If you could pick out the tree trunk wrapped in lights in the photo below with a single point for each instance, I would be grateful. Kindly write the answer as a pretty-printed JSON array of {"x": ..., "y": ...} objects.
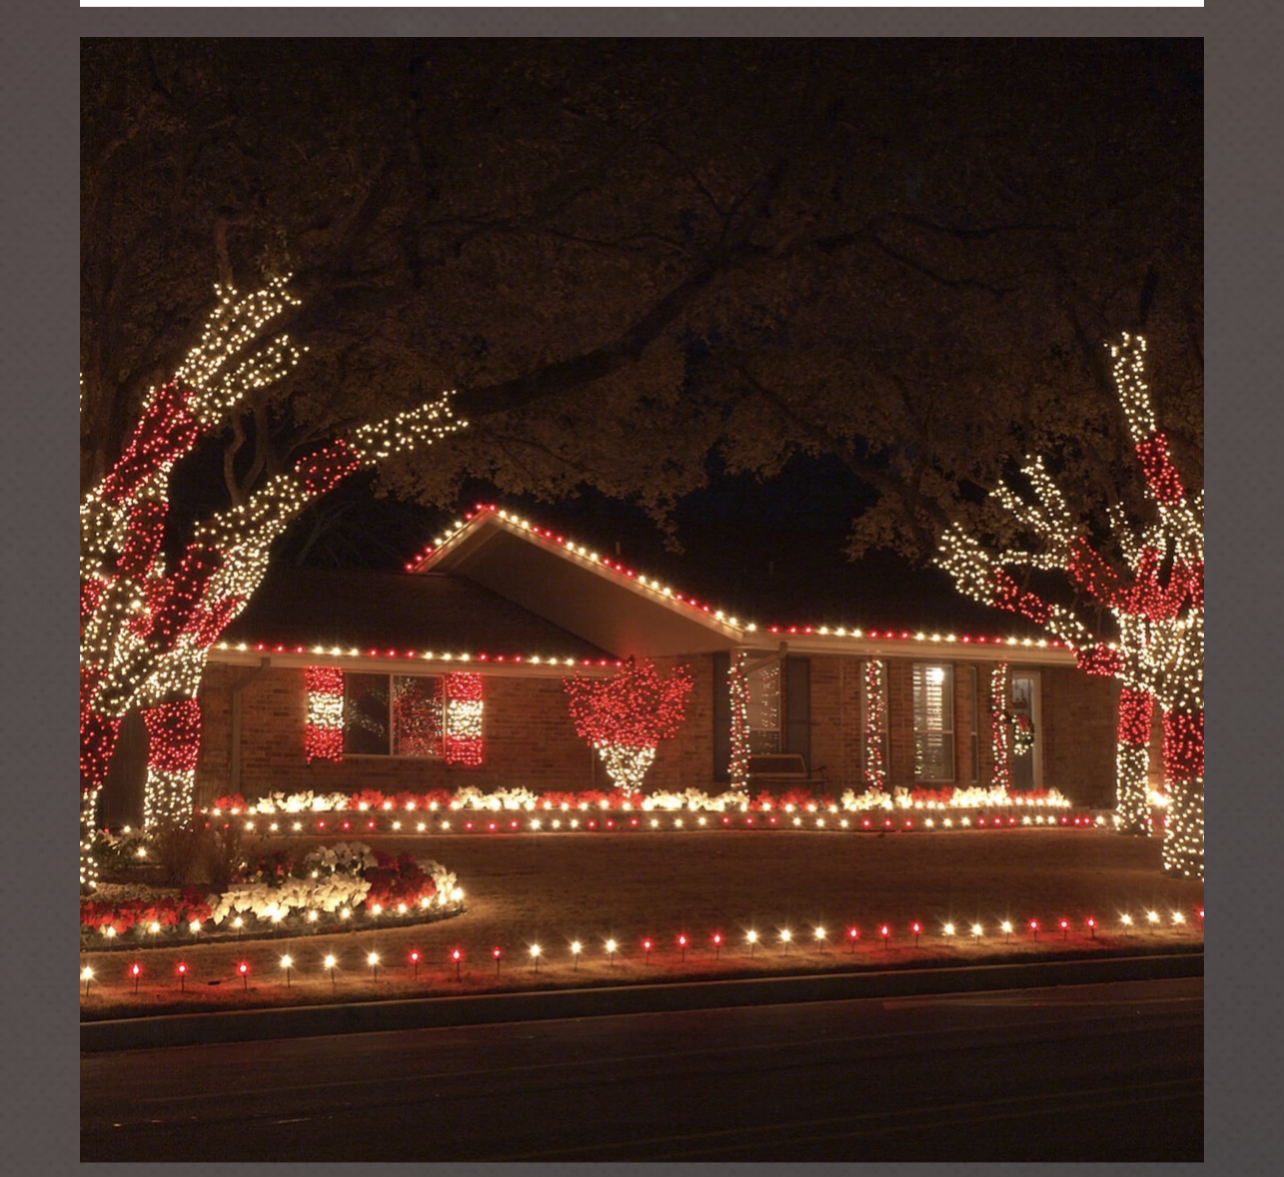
[
  {"x": 626, "y": 716},
  {"x": 1156, "y": 606},
  {"x": 145, "y": 630}
]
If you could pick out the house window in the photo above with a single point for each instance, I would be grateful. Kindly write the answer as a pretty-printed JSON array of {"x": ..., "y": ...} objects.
[
  {"x": 393, "y": 715},
  {"x": 933, "y": 722},
  {"x": 763, "y": 709}
]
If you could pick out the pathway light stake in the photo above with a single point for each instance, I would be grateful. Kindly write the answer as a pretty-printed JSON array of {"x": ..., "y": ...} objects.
[
  {"x": 646, "y": 948},
  {"x": 1126, "y": 920},
  {"x": 1178, "y": 918},
  {"x": 976, "y": 932},
  {"x": 917, "y": 929},
  {"x": 1034, "y": 929},
  {"x": 576, "y": 946},
  {"x": 820, "y": 938},
  {"x": 1092, "y": 927},
  {"x": 1152, "y": 918},
  {"x": 287, "y": 963},
  {"x": 330, "y": 962},
  {"x": 181, "y": 970},
  {"x": 136, "y": 971},
  {"x": 752, "y": 937},
  {"x": 414, "y": 960},
  {"x": 244, "y": 969},
  {"x": 535, "y": 956},
  {"x": 1065, "y": 929},
  {"x": 87, "y": 975},
  {"x": 238, "y": 924},
  {"x": 853, "y": 934},
  {"x": 785, "y": 937},
  {"x": 947, "y": 930},
  {"x": 886, "y": 933},
  {"x": 610, "y": 952},
  {"x": 717, "y": 945},
  {"x": 373, "y": 961},
  {"x": 682, "y": 943},
  {"x": 497, "y": 954},
  {"x": 457, "y": 956},
  {"x": 1007, "y": 931}
]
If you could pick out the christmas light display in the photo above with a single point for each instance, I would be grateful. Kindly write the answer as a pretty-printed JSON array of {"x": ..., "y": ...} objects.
[
  {"x": 875, "y": 724},
  {"x": 462, "y": 694},
  {"x": 173, "y": 743},
  {"x": 146, "y": 630},
  {"x": 1000, "y": 729},
  {"x": 729, "y": 625},
  {"x": 323, "y": 737},
  {"x": 1155, "y": 601},
  {"x": 625, "y": 717},
  {"x": 738, "y": 687}
]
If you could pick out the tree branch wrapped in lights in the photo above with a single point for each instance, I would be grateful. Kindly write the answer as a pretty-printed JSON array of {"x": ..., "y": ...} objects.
[
  {"x": 145, "y": 631},
  {"x": 1157, "y": 609}
]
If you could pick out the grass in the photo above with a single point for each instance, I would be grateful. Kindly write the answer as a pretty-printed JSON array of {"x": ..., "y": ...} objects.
[{"x": 551, "y": 889}]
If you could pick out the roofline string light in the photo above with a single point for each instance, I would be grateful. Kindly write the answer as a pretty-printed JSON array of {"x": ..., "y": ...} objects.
[
  {"x": 1156, "y": 604},
  {"x": 709, "y": 615}
]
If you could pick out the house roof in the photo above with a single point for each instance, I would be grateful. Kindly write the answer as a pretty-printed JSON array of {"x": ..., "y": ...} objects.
[
  {"x": 617, "y": 608},
  {"x": 356, "y": 612}
]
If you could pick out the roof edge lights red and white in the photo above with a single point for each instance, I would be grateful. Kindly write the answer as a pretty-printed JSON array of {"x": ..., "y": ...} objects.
[{"x": 802, "y": 638}]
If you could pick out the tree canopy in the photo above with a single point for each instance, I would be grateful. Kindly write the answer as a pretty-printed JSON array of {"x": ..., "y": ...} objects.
[{"x": 629, "y": 256}]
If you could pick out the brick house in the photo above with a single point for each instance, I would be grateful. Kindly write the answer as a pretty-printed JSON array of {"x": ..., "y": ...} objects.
[{"x": 485, "y": 626}]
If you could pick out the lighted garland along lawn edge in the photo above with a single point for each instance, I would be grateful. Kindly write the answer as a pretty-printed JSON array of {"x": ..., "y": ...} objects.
[{"x": 555, "y": 890}]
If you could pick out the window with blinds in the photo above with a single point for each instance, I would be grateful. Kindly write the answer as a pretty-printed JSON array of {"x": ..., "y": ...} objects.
[{"x": 933, "y": 722}]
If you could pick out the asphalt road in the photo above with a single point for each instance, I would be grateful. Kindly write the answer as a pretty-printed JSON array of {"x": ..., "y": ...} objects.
[{"x": 1074, "y": 1073}]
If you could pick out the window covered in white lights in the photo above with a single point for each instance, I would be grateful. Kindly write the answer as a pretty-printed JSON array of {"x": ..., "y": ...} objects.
[
  {"x": 763, "y": 709},
  {"x": 933, "y": 722}
]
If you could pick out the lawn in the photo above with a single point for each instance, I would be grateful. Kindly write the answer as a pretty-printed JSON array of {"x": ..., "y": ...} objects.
[{"x": 552, "y": 889}]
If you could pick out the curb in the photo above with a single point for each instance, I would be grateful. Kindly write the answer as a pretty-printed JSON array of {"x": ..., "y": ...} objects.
[{"x": 481, "y": 1009}]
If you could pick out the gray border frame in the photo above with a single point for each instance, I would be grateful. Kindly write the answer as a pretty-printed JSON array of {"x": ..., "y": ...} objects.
[{"x": 41, "y": 76}]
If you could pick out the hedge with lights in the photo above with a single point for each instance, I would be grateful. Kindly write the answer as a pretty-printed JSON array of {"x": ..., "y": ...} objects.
[
  {"x": 470, "y": 799},
  {"x": 626, "y": 716},
  {"x": 145, "y": 630},
  {"x": 1155, "y": 601}
]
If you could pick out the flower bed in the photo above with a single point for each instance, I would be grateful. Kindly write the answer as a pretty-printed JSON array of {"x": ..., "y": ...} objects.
[{"x": 331, "y": 888}]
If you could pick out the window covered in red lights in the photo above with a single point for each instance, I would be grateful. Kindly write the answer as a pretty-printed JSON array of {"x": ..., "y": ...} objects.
[
  {"x": 414, "y": 716},
  {"x": 933, "y": 722},
  {"x": 392, "y": 715}
]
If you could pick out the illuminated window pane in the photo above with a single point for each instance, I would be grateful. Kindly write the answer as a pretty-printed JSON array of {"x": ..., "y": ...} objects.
[
  {"x": 416, "y": 716},
  {"x": 763, "y": 709},
  {"x": 933, "y": 722}
]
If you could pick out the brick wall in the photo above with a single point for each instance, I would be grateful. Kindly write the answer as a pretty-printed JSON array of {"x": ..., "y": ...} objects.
[
  {"x": 530, "y": 741},
  {"x": 836, "y": 724},
  {"x": 1080, "y": 718}
]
